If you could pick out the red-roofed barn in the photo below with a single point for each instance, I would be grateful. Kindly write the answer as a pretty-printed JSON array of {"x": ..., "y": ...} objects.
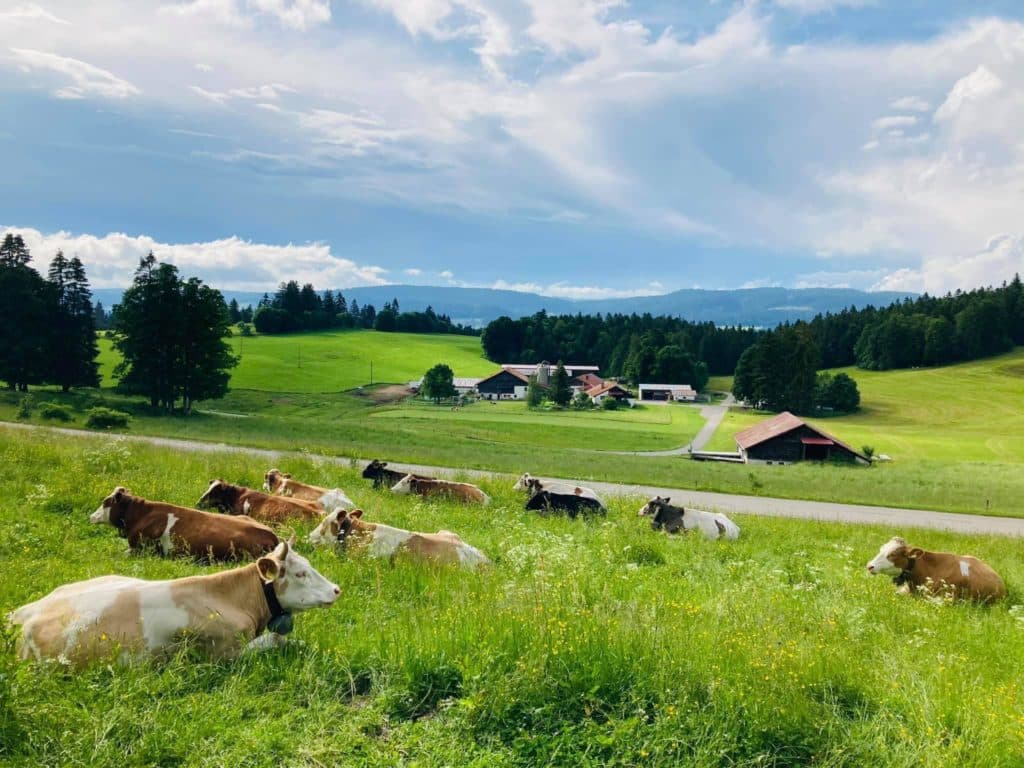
[{"x": 787, "y": 438}]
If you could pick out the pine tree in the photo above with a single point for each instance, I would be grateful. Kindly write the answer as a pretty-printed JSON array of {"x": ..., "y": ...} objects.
[
  {"x": 72, "y": 360},
  {"x": 561, "y": 392},
  {"x": 14, "y": 252},
  {"x": 24, "y": 303},
  {"x": 234, "y": 311}
]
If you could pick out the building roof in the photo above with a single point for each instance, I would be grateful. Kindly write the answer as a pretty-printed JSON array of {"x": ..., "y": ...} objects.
[
  {"x": 529, "y": 368},
  {"x": 590, "y": 380},
  {"x": 510, "y": 371},
  {"x": 780, "y": 425},
  {"x": 608, "y": 387},
  {"x": 673, "y": 387},
  {"x": 466, "y": 383}
]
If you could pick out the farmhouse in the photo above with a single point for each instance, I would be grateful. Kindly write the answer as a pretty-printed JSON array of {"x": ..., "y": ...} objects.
[
  {"x": 609, "y": 389},
  {"x": 511, "y": 381},
  {"x": 787, "y": 438},
  {"x": 506, "y": 384},
  {"x": 683, "y": 393}
]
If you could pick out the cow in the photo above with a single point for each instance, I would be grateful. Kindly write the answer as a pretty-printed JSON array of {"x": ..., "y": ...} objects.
[
  {"x": 382, "y": 476},
  {"x": 941, "y": 574},
  {"x": 178, "y": 530},
  {"x": 282, "y": 484},
  {"x": 440, "y": 488},
  {"x": 530, "y": 483},
  {"x": 239, "y": 500},
  {"x": 664, "y": 516},
  {"x": 560, "y": 497},
  {"x": 343, "y": 528},
  {"x": 223, "y": 613}
]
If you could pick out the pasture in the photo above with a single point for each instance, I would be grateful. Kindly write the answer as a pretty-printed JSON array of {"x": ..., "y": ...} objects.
[
  {"x": 334, "y": 361},
  {"x": 590, "y": 644}
]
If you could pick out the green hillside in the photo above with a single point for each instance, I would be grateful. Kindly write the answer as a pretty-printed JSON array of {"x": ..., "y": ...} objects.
[
  {"x": 333, "y": 361},
  {"x": 960, "y": 413}
]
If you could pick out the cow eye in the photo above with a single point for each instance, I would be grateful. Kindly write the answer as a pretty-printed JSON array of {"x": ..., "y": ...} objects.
[{"x": 300, "y": 575}]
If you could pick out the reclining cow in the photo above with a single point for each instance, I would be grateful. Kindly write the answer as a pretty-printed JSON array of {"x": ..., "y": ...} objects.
[
  {"x": 445, "y": 489},
  {"x": 281, "y": 483},
  {"x": 239, "y": 500},
  {"x": 915, "y": 570},
  {"x": 348, "y": 528},
  {"x": 572, "y": 500},
  {"x": 382, "y": 476},
  {"x": 664, "y": 516},
  {"x": 528, "y": 483},
  {"x": 178, "y": 530},
  {"x": 248, "y": 608}
]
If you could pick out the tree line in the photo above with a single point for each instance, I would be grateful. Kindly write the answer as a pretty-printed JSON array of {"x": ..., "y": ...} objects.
[
  {"x": 293, "y": 308},
  {"x": 49, "y": 325},
  {"x": 928, "y": 330},
  {"x": 636, "y": 347}
]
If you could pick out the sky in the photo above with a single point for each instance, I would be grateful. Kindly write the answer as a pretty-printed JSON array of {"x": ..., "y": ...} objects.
[{"x": 575, "y": 148}]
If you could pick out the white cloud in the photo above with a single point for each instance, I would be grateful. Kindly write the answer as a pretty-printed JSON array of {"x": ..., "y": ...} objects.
[
  {"x": 270, "y": 91},
  {"x": 413, "y": 272},
  {"x": 854, "y": 278},
  {"x": 86, "y": 79},
  {"x": 229, "y": 263},
  {"x": 894, "y": 121},
  {"x": 447, "y": 275},
  {"x": 204, "y": 67},
  {"x": 910, "y": 104},
  {"x": 975, "y": 87},
  {"x": 563, "y": 290},
  {"x": 819, "y": 6},
  {"x": 761, "y": 282},
  {"x": 294, "y": 14},
  {"x": 30, "y": 12}
]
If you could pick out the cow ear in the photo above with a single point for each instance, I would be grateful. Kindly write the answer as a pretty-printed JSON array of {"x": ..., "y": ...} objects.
[
  {"x": 383, "y": 463},
  {"x": 357, "y": 513},
  {"x": 915, "y": 553},
  {"x": 119, "y": 494},
  {"x": 286, "y": 475},
  {"x": 268, "y": 569}
]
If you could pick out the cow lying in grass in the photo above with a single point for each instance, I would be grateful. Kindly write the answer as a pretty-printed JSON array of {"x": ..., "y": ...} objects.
[
  {"x": 281, "y": 483},
  {"x": 239, "y": 500},
  {"x": 178, "y": 530},
  {"x": 349, "y": 528},
  {"x": 127, "y": 618},
  {"x": 670, "y": 519},
  {"x": 548, "y": 497},
  {"x": 943, "y": 574},
  {"x": 445, "y": 489},
  {"x": 383, "y": 477}
]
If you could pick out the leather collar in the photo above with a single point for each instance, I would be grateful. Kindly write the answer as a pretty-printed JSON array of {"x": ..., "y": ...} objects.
[
  {"x": 904, "y": 576},
  {"x": 280, "y": 620}
]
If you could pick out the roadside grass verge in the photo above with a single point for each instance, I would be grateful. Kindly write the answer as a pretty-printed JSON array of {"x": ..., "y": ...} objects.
[{"x": 588, "y": 644}]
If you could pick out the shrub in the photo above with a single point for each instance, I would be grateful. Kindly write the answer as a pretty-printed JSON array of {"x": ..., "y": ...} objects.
[
  {"x": 610, "y": 404},
  {"x": 868, "y": 450},
  {"x": 55, "y": 412},
  {"x": 582, "y": 402},
  {"x": 25, "y": 407},
  {"x": 106, "y": 418}
]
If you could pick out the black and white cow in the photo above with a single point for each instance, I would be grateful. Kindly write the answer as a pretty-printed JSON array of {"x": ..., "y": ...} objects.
[{"x": 670, "y": 519}]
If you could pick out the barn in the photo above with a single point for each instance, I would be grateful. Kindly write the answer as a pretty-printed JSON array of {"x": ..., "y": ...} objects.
[
  {"x": 683, "y": 393},
  {"x": 506, "y": 384},
  {"x": 786, "y": 438}
]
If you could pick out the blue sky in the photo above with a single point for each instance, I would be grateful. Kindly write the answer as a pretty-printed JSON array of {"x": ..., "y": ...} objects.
[{"x": 571, "y": 147}]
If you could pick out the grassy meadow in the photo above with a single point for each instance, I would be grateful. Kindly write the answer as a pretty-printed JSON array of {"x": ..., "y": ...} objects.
[
  {"x": 334, "y": 361},
  {"x": 585, "y": 644}
]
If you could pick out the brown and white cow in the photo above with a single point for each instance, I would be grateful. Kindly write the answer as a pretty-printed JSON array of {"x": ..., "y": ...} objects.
[
  {"x": 283, "y": 484},
  {"x": 182, "y": 531},
  {"x": 378, "y": 471},
  {"x": 345, "y": 528},
  {"x": 916, "y": 570},
  {"x": 441, "y": 488},
  {"x": 239, "y": 500},
  {"x": 127, "y": 618}
]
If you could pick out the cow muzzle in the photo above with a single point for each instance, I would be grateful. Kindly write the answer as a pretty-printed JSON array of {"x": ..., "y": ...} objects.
[{"x": 101, "y": 515}]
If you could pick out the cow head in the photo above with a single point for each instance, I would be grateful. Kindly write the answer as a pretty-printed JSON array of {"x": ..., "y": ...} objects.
[
  {"x": 894, "y": 557},
  {"x": 296, "y": 583},
  {"x": 273, "y": 479},
  {"x": 406, "y": 485},
  {"x": 113, "y": 503},
  {"x": 373, "y": 469},
  {"x": 651, "y": 507},
  {"x": 217, "y": 496},
  {"x": 337, "y": 527},
  {"x": 523, "y": 482}
]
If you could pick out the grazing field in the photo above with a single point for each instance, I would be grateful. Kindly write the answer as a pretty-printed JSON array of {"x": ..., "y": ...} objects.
[
  {"x": 334, "y": 361},
  {"x": 586, "y": 644}
]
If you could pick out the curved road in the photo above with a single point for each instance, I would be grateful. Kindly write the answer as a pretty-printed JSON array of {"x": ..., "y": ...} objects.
[{"x": 723, "y": 502}]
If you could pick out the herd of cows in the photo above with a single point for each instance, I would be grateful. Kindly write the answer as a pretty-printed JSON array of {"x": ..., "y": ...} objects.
[{"x": 251, "y": 607}]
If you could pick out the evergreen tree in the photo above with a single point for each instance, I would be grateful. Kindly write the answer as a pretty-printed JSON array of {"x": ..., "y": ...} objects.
[
  {"x": 234, "y": 311},
  {"x": 561, "y": 391},
  {"x": 72, "y": 327},
  {"x": 204, "y": 355},
  {"x": 25, "y": 302},
  {"x": 341, "y": 305},
  {"x": 330, "y": 308},
  {"x": 14, "y": 252}
]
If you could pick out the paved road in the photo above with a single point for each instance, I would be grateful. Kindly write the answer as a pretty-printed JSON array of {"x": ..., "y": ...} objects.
[
  {"x": 895, "y": 518},
  {"x": 712, "y": 415}
]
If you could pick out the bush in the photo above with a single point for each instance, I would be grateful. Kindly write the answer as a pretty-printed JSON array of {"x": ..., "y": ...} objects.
[
  {"x": 610, "y": 404},
  {"x": 25, "y": 407},
  {"x": 582, "y": 402},
  {"x": 868, "y": 450},
  {"x": 55, "y": 412},
  {"x": 106, "y": 418}
]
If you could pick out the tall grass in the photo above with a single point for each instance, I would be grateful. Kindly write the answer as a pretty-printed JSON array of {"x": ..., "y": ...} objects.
[{"x": 589, "y": 644}]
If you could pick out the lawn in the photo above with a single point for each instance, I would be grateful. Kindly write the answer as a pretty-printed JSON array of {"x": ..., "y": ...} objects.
[
  {"x": 600, "y": 644},
  {"x": 334, "y": 361}
]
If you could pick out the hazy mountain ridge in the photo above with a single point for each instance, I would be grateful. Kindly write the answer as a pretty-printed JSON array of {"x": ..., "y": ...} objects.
[{"x": 478, "y": 306}]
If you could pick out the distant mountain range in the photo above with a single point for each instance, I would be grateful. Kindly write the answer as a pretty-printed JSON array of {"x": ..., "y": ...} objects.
[{"x": 762, "y": 307}]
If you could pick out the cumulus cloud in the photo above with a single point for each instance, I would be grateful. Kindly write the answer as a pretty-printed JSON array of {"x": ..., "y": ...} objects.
[
  {"x": 820, "y": 6},
  {"x": 910, "y": 104},
  {"x": 86, "y": 79},
  {"x": 30, "y": 12},
  {"x": 229, "y": 263},
  {"x": 413, "y": 272}
]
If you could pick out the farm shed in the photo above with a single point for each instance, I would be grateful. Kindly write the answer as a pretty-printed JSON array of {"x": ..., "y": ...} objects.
[
  {"x": 609, "y": 389},
  {"x": 787, "y": 438},
  {"x": 683, "y": 393},
  {"x": 505, "y": 384}
]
